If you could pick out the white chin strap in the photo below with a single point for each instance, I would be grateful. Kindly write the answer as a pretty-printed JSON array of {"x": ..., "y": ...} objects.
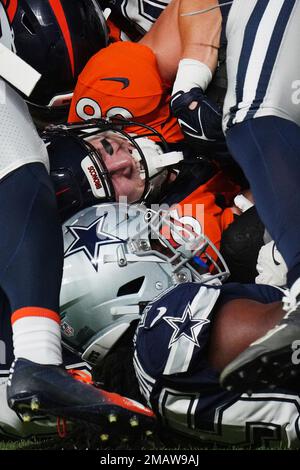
[
  {"x": 163, "y": 161},
  {"x": 155, "y": 158}
]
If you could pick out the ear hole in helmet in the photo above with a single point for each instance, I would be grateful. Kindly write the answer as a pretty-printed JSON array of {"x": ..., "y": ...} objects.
[
  {"x": 132, "y": 287},
  {"x": 28, "y": 25}
]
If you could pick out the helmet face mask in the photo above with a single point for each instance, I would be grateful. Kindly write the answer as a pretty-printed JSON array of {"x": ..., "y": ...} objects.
[
  {"x": 78, "y": 148},
  {"x": 179, "y": 245},
  {"x": 117, "y": 260}
]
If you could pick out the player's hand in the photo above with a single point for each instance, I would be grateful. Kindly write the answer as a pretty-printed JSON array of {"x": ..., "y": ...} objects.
[{"x": 199, "y": 117}]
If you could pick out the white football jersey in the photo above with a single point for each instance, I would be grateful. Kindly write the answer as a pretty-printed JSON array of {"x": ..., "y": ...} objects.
[
  {"x": 142, "y": 13},
  {"x": 19, "y": 141}
]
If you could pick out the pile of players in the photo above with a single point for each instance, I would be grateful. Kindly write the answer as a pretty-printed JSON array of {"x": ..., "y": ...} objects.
[{"x": 160, "y": 128}]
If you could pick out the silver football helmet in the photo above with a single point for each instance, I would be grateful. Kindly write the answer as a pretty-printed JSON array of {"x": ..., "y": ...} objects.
[{"x": 119, "y": 257}]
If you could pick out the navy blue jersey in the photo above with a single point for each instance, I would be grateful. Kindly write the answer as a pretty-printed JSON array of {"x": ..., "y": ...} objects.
[
  {"x": 178, "y": 383},
  {"x": 141, "y": 14}
]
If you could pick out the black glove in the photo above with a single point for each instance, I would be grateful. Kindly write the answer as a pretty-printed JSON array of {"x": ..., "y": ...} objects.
[{"x": 202, "y": 125}]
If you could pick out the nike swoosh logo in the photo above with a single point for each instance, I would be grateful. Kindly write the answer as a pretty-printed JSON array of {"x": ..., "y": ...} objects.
[
  {"x": 122, "y": 80},
  {"x": 161, "y": 312},
  {"x": 273, "y": 255}
]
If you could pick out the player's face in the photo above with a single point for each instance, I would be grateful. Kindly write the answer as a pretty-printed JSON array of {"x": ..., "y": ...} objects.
[{"x": 125, "y": 171}]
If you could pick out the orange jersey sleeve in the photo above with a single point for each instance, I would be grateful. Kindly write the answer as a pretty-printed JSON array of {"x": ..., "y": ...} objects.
[{"x": 123, "y": 79}]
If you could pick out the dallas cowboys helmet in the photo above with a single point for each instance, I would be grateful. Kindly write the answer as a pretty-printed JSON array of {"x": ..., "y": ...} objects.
[
  {"x": 78, "y": 169},
  {"x": 118, "y": 258}
]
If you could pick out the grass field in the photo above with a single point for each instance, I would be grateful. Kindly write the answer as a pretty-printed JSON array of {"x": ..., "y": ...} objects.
[{"x": 68, "y": 444}]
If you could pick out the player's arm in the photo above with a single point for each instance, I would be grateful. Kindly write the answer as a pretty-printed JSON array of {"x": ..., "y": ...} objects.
[
  {"x": 200, "y": 34},
  {"x": 200, "y": 38}
]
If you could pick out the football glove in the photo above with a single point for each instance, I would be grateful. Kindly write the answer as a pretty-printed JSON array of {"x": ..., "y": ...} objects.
[{"x": 200, "y": 125}]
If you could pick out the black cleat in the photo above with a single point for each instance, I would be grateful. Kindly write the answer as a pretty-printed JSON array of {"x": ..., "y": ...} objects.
[
  {"x": 34, "y": 389},
  {"x": 272, "y": 360}
]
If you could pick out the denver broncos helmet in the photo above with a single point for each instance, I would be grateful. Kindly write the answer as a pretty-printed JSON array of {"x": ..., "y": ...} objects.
[
  {"x": 57, "y": 38},
  {"x": 79, "y": 171}
]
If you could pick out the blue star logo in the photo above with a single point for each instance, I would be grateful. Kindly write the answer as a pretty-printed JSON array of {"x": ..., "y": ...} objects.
[
  {"x": 186, "y": 326},
  {"x": 90, "y": 239}
]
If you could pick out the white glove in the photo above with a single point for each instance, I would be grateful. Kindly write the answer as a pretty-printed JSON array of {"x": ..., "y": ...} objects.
[
  {"x": 243, "y": 203},
  {"x": 271, "y": 266}
]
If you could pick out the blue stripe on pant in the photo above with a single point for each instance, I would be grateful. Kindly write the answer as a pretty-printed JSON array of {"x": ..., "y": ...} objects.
[
  {"x": 271, "y": 56},
  {"x": 248, "y": 42}
]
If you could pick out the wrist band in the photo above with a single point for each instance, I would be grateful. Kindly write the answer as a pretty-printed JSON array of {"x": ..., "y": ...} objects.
[{"x": 191, "y": 73}]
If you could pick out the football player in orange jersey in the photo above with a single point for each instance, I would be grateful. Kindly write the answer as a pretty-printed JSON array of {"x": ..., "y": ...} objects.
[
  {"x": 98, "y": 161},
  {"x": 133, "y": 80}
]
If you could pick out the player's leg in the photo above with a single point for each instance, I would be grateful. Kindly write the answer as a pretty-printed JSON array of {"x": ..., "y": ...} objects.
[
  {"x": 31, "y": 261},
  {"x": 237, "y": 324},
  {"x": 31, "y": 256},
  {"x": 264, "y": 137},
  {"x": 268, "y": 150}
]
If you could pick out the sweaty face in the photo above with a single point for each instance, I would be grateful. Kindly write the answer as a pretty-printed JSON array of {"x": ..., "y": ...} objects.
[{"x": 123, "y": 164}]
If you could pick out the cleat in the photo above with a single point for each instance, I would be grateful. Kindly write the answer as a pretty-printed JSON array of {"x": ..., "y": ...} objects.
[
  {"x": 241, "y": 374},
  {"x": 124, "y": 440},
  {"x": 273, "y": 351},
  {"x": 112, "y": 418},
  {"x": 134, "y": 422},
  {"x": 229, "y": 388},
  {"x": 54, "y": 392},
  {"x": 149, "y": 433},
  {"x": 34, "y": 404},
  {"x": 104, "y": 437},
  {"x": 249, "y": 392},
  {"x": 26, "y": 418}
]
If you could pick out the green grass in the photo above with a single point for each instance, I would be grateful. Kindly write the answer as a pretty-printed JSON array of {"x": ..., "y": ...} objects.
[
  {"x": 58, "y": 444},
  {"x": 25, "y": 445}
]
